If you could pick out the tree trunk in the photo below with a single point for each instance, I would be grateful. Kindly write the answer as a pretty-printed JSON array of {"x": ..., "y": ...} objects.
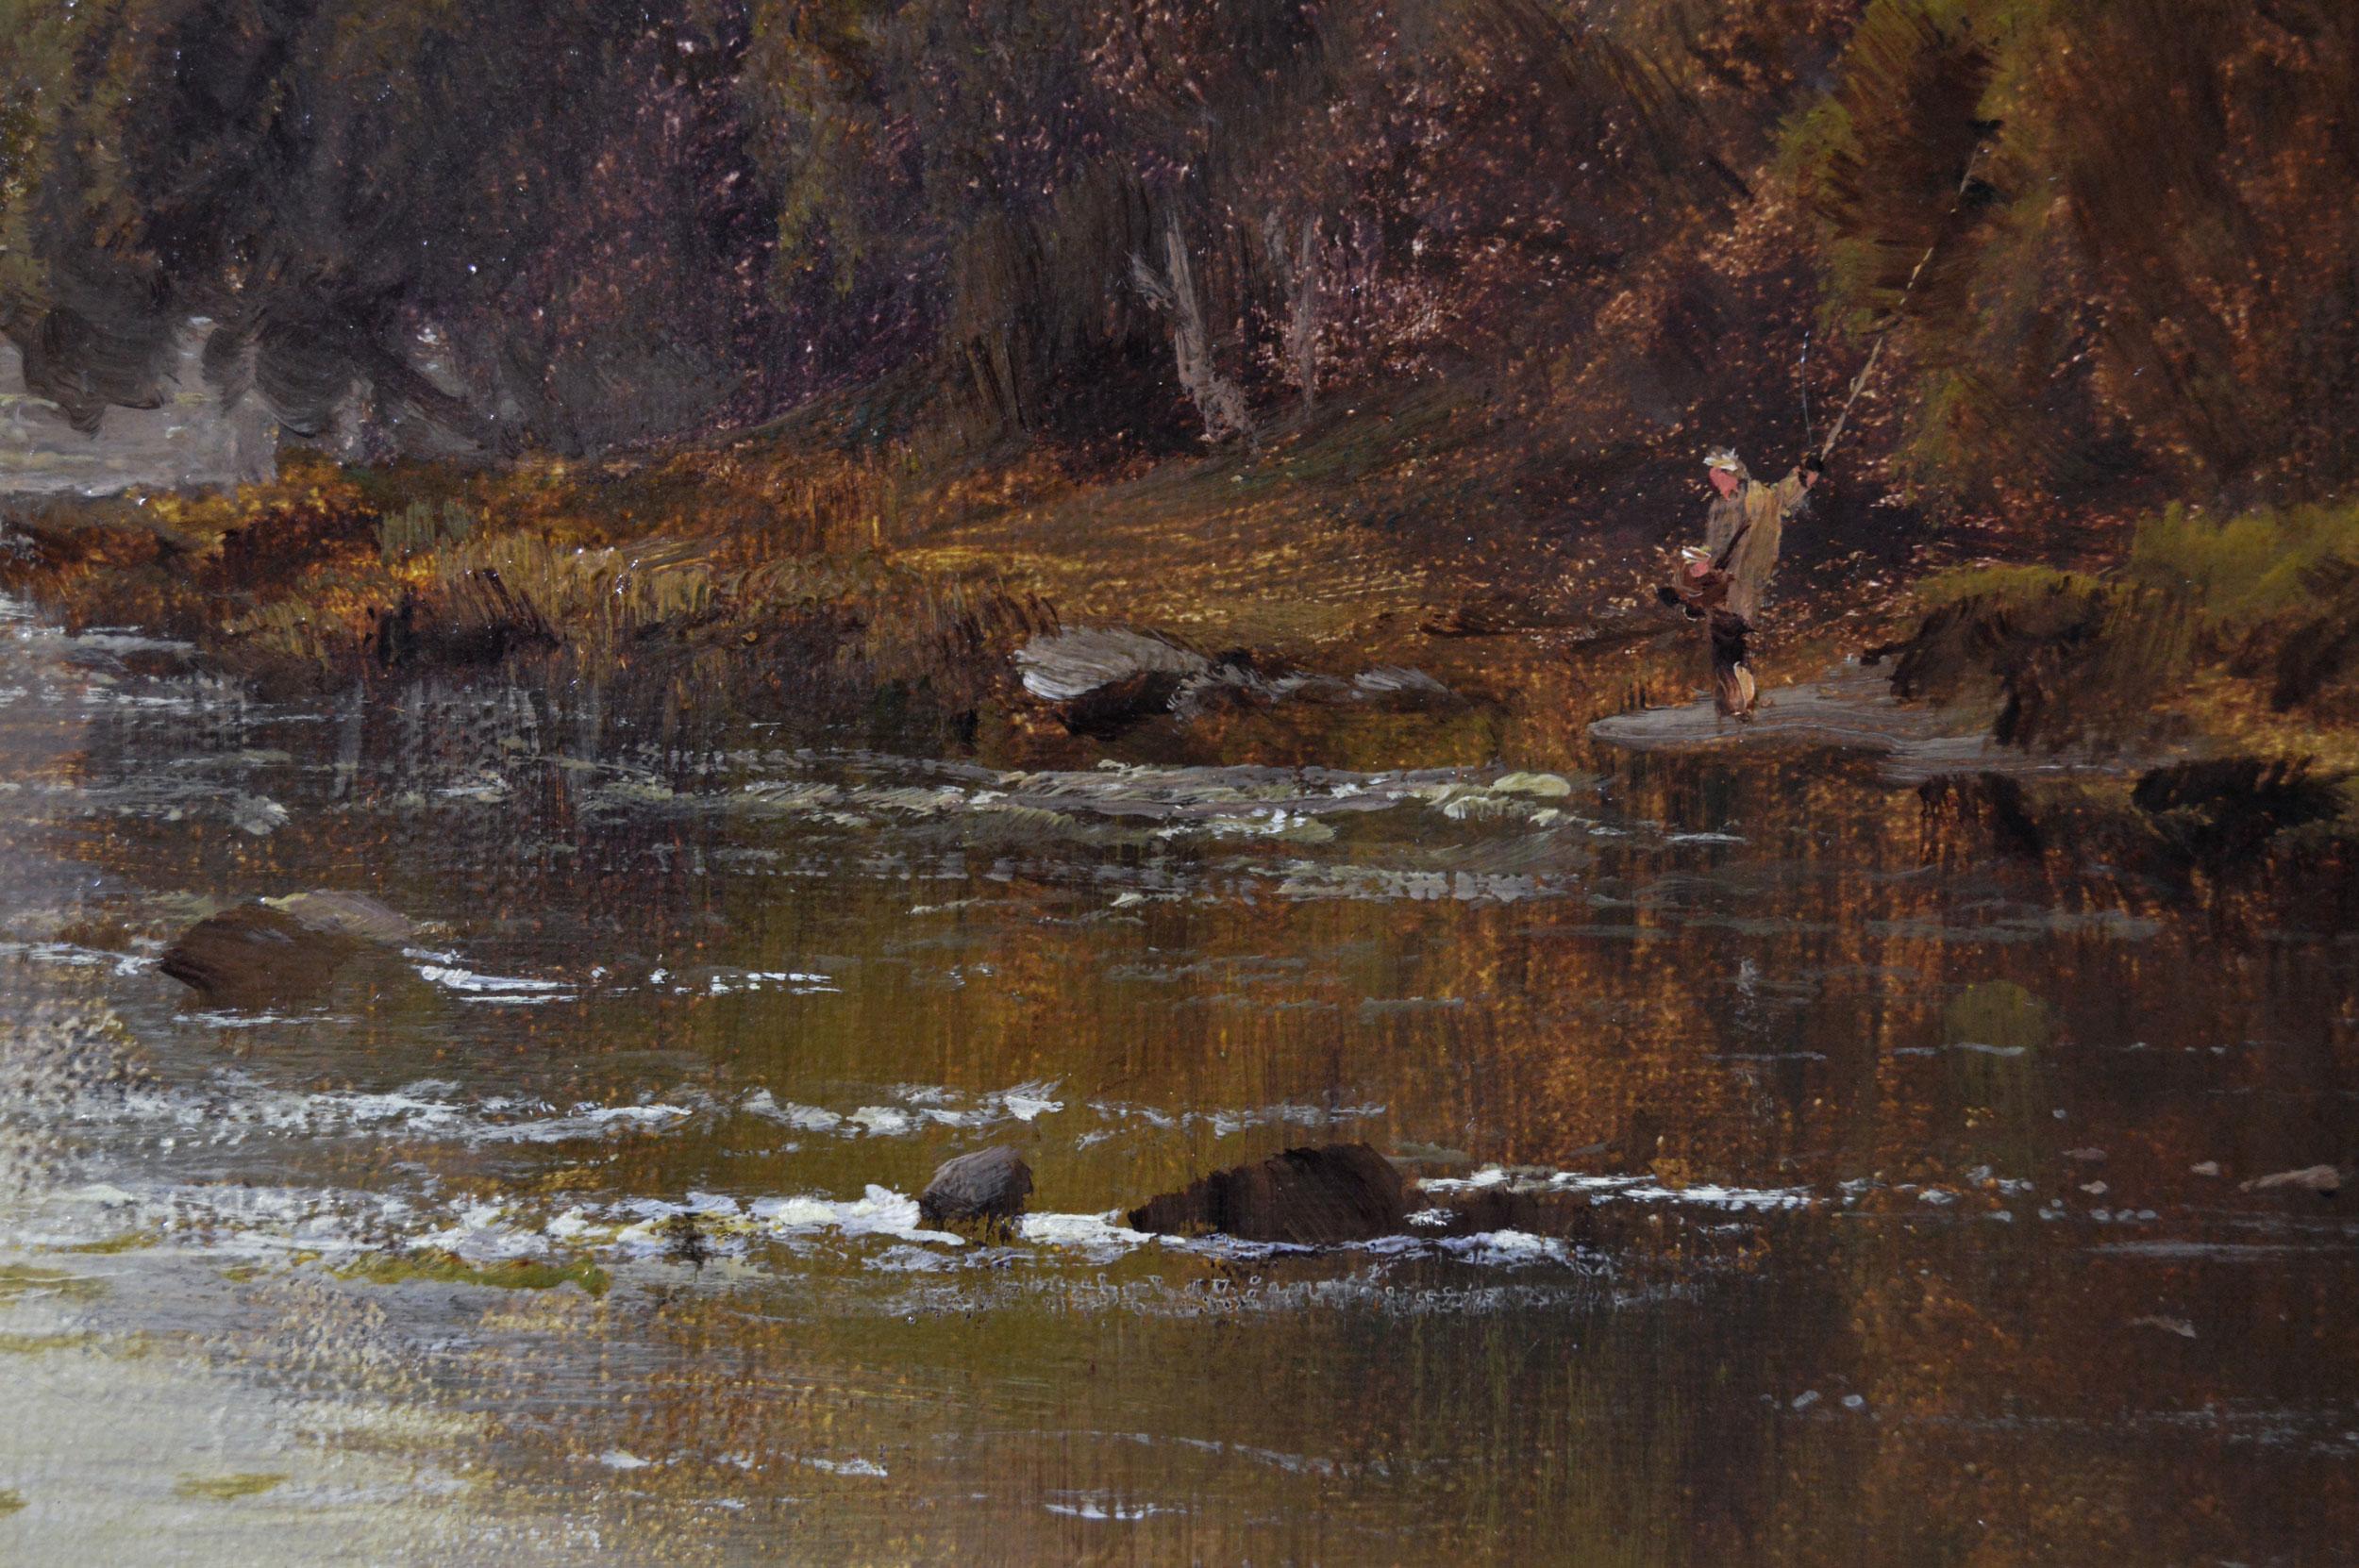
[
  {"x": 1302, "y": 316},
  {"x": 1219, "y": 401}
]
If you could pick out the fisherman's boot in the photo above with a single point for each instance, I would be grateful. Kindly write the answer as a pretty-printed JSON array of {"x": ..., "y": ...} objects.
[
  {"x": 1746, "y": 693},
  {"x": 1728, "y": 695}
]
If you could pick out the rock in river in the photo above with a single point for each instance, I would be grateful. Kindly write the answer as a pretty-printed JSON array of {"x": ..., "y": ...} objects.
[
  {"x": 1309, "y": 1196},
  {"x": 1100, "y": 679},
  {"x": 2325, "y": 1181},
  {"x": 273, "y": 950},
  {"x": 987, "y": 1187}
]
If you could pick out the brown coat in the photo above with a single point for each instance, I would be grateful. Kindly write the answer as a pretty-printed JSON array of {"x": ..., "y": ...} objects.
[{"x": 1767, "y": 508}]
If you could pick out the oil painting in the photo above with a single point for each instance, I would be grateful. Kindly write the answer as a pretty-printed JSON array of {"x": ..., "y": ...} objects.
[{"x": 1178, "y": 781}]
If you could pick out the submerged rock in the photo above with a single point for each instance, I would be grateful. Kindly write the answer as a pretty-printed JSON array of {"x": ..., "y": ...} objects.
[
  {"x": 273, "y": 950},
  {"x": 1568, "y": 1216},
  {"x": 2325, "y": 1181},
  {"x": 1400, "y": 689},
  {"x": 1101, "y": 680},
  {"x": 1963, "y": 813},
  {"x": 348, "y": 914},
  {"x": 2228, "y": 807},
  {"x": 988, "y": 1187},
  {"x": 1307, "y": 1196}
]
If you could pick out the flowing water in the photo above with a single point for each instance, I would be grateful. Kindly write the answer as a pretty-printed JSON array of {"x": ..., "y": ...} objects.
[{"x": 1872, "y": 1210}]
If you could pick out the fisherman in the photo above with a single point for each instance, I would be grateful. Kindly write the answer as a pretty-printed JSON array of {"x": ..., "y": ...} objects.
[{"x": 1723, "y": 583}]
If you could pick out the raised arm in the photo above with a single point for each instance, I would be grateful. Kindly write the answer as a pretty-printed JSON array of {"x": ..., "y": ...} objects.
[{"x": 1790, "y": 490}]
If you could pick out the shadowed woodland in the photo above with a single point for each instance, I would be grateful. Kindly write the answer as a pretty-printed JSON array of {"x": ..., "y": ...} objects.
[{"x": 572, "y": 228}]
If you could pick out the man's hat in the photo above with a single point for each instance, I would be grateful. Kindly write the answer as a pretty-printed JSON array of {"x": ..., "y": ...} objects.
[{"x": 1724, "y": 458}]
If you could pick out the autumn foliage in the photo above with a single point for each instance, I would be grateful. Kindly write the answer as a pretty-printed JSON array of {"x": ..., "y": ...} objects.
[{"x": 1130, "y": 224}]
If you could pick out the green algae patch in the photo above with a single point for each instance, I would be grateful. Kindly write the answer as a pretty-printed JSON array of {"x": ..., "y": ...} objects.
[
  {"x": 228, "y": 1488},
  {"x": 25, "y": 1282},
  {"x": 34, "y": 1344},
  {"x": 447, "y": 1269},
  {"x": 130, "y": 1241},
  {"x": 10, "y": 1501}
]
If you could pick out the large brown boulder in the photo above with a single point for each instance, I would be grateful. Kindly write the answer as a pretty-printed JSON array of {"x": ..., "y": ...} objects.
[
  {"x": 986, "y": 1188},
  {"x": 1309, "y": 1198},
  {"x": 271, "y": 951}
]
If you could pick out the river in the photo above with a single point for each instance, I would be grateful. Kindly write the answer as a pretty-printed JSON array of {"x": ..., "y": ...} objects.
[{"x": 1881, "y": 1210}]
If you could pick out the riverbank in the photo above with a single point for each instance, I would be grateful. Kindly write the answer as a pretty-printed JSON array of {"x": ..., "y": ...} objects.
[
  {"x": 815, "y": 572},
  {"x": 820, "y": 574}
]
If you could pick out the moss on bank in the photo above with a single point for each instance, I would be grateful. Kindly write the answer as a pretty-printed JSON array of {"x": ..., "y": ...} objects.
[
  {"x": 228, "y": 1489},
  {"x": 2239, "y": 635},
  {"x": 443, "y": 1268}
]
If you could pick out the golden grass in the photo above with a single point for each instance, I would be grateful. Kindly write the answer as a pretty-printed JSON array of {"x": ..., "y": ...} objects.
[
  {"x": 445, "y": 1268},
  {"x": 228, "y": 1488},
  {"x": 799, "y": 570}
]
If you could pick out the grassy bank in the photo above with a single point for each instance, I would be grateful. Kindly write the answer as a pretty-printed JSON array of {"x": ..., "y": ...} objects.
[
  {"x": 696, "y": 581},
  {"x": 817, "y": 571},
  {"x": 2237, "y": 635},
  {"x": 821, "y": 573}
]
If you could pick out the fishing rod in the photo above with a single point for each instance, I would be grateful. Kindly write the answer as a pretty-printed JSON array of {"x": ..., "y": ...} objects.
[
  {"x": 1875, "y": 351},
  {"x": 1801, "y": 378}
]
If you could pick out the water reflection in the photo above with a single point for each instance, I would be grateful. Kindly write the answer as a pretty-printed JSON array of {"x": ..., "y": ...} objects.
[{"x": 1872, "y": 1206}]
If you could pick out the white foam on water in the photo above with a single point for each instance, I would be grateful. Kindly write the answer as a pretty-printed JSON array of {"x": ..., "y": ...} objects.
[
  {"x": 729, "y": 982},
  {"x": 1308, "y": 879},
  {"x": 126, "y": 640},
  {"x": 1509, "y": 1248},
  {"x": 257, "y": 814},
  {"x": 289, "y": 1224},
  {"x": 474, "y": 987},
  {"x": 803, "y": 1118},
  {"x": 586, "y": 1122},
  {"x": 1103, "y": 1235},
  {"x": 1625, "y": 1189},
  {"x": 921, "y": 1106},
  {"x": 909, "y": 1257},
  {"x": 1109, "y": 1508},
  {"x": 878, "y": 1211},
  {"x": 72, "y": 957},
  {"x": 227, "y": 1219},
  {"x": 1216, "y": 801},
  {"x": 1029, "y": 1101},
  {"x": 484, "y": 1233},
  {"x": 232, "y": 1106},
  {"x": 1225, "y": 1124}
]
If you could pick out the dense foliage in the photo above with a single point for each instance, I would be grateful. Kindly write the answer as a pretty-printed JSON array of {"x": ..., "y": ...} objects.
[
  {"x": 2155, "y": 268},
  {"x": 570, "y": 223}
]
